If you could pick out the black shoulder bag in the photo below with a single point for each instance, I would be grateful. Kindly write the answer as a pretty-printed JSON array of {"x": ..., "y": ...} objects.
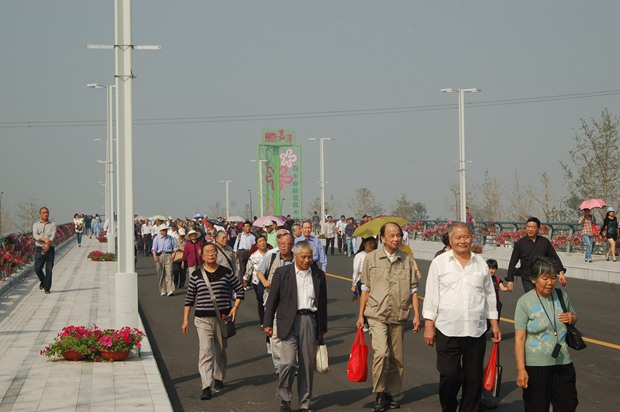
[{"x": 574, "y": 338}]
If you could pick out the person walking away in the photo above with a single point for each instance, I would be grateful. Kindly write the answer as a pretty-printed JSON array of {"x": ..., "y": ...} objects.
[
  {"x": 78, "y": 224},
  {"x": 329, "y": 231},
  {"x": 459, "y": 300},
  {"x": 587, "y": 232},
  {"x": 44, "y": 234},
  {"x": 389, "y": 290},
  {"x": 545, "y": 370},
  {"x": 298, "y": 298},
  {"x": 525, "y": 250},
  {"x": 163, "y": 246},
  {"x": 87, "y": 226},
  {"x": 212, "y": 359},
  {"x": 610, "y": 231}
]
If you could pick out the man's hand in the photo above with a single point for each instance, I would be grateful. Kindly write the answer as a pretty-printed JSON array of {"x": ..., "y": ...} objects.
[
  {"x": 360, "y": 322},
  {"x": 266, "y": 284},
  {"x": 430, "y": 336},
  {"x": 562, "y": 279},
  {"x": 416, "y": 324},
  {"x": 155, "y": 259},
  {"x": 510, "y": 286},
  {"x": 268, "y": 331}
]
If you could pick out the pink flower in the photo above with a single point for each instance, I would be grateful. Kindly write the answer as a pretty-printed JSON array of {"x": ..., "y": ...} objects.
[
  {"x": 288, "y": 158},
  {"x": 284, "y": 178}
]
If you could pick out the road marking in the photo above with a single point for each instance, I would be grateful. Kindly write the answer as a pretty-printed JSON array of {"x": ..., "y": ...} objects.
[{"x": 595, "y": 341}]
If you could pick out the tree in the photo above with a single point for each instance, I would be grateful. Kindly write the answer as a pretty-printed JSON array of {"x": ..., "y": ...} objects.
[
  {"x": 543, "y": 198},
  {"x": 27, "y": 212},
  {"x": 217, "y": 210},
  {"x": 408, "y": 209},
  {"x": 364, "y": 202},
  {"x": 520, "y": 204},
  {"x": 491, "y": 207},
  {"x": 246, "y": 212},
  {"x": 453, "y": 201},
  {"x": 331, "y": 205},
  {"x": 595, "y": 168}
]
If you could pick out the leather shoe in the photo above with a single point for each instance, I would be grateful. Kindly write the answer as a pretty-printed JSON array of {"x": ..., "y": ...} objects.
[
  {"x": 206, "y": 394},
  {"x": 218, "y": 385},
  {"x": 305, "y": 410},
  {"x": 380, "y": 403},
  {"x": 285, "y": 406},
  {"x": 391, "y": 403},
  {"x": 41, "y": 286}
]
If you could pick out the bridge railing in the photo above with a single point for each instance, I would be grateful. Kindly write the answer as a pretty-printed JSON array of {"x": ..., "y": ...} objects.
[
  {"x": 17, "y": 249},
  {"x": 564, "y": 236}
]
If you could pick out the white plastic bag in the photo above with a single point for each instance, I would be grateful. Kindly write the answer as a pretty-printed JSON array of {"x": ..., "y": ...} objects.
[{"x": 322, "y": 359}]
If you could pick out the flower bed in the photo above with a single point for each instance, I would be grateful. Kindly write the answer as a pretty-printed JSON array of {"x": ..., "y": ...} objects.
[
  {"x": 102, "y": 239},
  {"x": 93, "y": 343},
  {"x": 476, "y": 248},
  {"x": 99, "y": 256}
]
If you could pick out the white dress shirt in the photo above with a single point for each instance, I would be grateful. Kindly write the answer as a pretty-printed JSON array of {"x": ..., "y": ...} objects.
[
  {"x": 305, "y": 289},
  {"x": 358, "y": 263},
  {"x": 459, "y": 300},
  {"x": 340, "y": 225}
]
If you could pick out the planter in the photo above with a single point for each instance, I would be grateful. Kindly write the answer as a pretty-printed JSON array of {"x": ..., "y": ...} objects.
[
  {"x": 114, "y": 356},
  {"x": 94, "y": 259},
  {"x": 104, "y": 240},
  {"x": 73, "y": 356}
]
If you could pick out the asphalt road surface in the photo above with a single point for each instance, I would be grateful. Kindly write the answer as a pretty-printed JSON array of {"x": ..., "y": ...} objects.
[{"x": 250, "y": 383}]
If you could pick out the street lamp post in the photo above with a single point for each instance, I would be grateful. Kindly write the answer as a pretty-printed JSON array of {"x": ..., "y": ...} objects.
[
  {"x": 260, "y": 185},
  {"x": 227, "y": 208},
  {"x": 322, "y": 176},
  {"x": 251, "y": 210},
  {"x": 109, "y": 160},
  {"x": 1, "y": 193},
  {"x": 462, "y": 186}
]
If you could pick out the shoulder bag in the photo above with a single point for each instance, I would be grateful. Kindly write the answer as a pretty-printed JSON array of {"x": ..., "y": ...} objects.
[
  {"x": 227, "y": 327},
  {"x": 574, "y": 338}
]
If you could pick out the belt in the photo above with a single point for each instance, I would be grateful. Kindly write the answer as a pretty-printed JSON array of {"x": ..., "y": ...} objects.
[
  {"x": 163, "y": 253},
  {"x": 305, "y": 312}
]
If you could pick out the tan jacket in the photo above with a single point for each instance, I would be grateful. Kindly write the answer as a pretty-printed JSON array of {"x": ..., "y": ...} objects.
[{"x": 390, "y": 285}]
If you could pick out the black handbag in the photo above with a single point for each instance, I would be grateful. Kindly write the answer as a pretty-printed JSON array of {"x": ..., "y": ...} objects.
[
  {"x": 574, "y": 338},
  {"x": 227, "y": 326}
]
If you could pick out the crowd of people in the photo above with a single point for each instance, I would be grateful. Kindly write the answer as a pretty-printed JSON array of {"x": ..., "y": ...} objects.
[{"x": 285, "y": 262}]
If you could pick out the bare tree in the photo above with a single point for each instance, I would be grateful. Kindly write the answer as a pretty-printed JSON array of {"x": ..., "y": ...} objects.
[
  {"x": 217, "y": 209},
  {"x": 246, "y": 211},
  {"x": 364, "y": 202},
  {"x": 543, "y": 197},
  {"x": 27, "y": 212},
  {"x": 331, "y": 205},
  {"x": 409, "y": 209},
  {"x": 491, "y": 207},
  {"x": 595, "y": 167},
  {"x": 520, "y": 203}
]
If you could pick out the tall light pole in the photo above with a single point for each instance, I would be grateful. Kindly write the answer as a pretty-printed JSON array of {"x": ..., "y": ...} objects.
[
  {"x": 1, "y": 193},
  {"x": 109, "y": 159},
  {"x": 322, "y": 176},
  {"x": 462, "y": 186},
  {"x": 251, "y": 210},
  {"x": 227, "y": 208},
  {"x": 260, "y": 185}
]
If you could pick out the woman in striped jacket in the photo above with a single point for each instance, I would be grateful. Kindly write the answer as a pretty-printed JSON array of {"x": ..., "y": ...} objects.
[{"x": 212, "y": 355}]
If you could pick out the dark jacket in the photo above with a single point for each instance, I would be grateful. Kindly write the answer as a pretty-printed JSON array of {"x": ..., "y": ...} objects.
[{"x": 283, "y": 299}]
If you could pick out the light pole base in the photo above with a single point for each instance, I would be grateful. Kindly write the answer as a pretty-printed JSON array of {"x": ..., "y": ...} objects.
[{"x": 126, "y": 285}]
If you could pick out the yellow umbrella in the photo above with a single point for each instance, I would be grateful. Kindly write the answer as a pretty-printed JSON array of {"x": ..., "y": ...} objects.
[{"x": 373, "y": 227}]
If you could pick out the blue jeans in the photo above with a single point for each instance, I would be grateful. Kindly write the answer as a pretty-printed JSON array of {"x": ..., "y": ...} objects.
[
  {"x": 351, "y": 245},
  {"x": 47, "y": 260},
  {"x": 78, "y": 236},
  {"x": 588, "y": 241}
]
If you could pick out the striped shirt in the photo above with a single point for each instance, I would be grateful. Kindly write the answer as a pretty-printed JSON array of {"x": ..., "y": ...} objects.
[{"x": 223, "y": 283}]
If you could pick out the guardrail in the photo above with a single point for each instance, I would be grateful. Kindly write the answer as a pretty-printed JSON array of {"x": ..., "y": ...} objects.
[
  {"x": 17, "y": 249},
  {"x": 563, "y": 235}
]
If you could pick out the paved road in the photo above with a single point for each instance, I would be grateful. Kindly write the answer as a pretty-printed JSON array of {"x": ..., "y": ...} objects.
[{"x": 251, "y": 382}]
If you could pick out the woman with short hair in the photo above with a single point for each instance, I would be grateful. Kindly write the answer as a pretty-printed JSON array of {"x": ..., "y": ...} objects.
[{"x": 544, "y": 367}]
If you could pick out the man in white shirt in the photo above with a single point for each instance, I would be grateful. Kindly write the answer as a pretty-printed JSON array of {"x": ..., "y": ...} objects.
[
  {"x": 458, "y": 301},
  {"x": 340, "y": 226},
  {"x": 329, "y": 231},
  {"x": 147, "y": 237}
]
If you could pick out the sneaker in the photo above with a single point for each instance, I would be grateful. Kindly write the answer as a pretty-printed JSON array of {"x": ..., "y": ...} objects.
[
  {"x": 206, "y": 394},
  {"x": 170, "y": 293},
  {"x": 391, "y": 403},
  {"x": 218, "y": 385}
]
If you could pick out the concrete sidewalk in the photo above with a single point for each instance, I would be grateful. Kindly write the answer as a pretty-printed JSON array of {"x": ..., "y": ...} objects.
[
  {"x": 82, "y": 294},
  {"x": 599, "y": 270}
]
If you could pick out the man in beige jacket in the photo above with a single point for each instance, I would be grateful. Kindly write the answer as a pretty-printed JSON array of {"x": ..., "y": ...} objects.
[{"x": 389, "y": 291}]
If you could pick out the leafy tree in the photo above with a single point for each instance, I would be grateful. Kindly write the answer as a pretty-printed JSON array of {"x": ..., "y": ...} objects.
[
  {"x": 364, "y": 202},
  {"x": 594, "y": 168},
  {"x": 408, "y": 209}
]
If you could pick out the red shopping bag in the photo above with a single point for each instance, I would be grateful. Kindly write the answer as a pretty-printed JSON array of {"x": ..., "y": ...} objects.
[
  {"x": 490, "y": 372},
  {"x": 357, "y": 369}
]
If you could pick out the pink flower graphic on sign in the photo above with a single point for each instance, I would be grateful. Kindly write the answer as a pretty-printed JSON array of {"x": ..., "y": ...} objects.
[
  {"x": 284, "y": 178},
  {"x": 288, "y": 158}
]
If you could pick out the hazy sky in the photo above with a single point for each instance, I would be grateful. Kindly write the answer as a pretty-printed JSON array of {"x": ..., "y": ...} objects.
[{"x": 324, "y": 61}]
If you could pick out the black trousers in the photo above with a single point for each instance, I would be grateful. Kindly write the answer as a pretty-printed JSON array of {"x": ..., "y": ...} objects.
[
  {"x": 148, "y": 244},
  {"x": 340, "y": 242},
  {"x": 555, "y": 385},
  {"x": 460, "y": 363},
  {"x": 259, "y": 298},
  {"x": 179, "y": 274},
  {"x": 243, "y": 256},
  {"x": 329, "y": 241},
  {"x": 47, "y": 260},
  {"x": 527, "y": 284}
]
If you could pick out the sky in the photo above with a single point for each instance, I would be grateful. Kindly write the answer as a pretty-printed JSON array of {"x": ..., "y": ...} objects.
[{"x": 366, "y": 73}]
